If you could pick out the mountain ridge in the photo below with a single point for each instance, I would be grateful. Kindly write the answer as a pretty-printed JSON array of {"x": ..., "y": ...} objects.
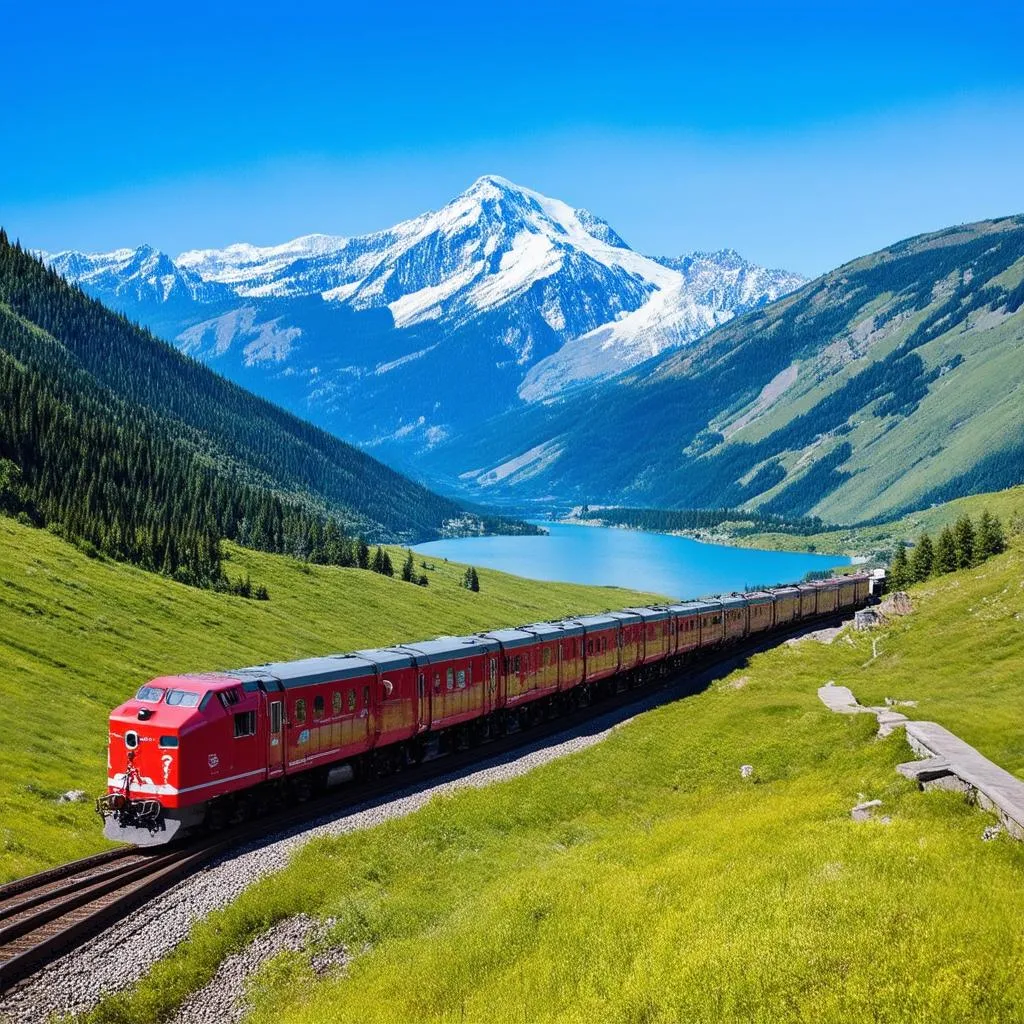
[
  {"x": 367, "y": 334},
  {"x": 884, "y": 385}
]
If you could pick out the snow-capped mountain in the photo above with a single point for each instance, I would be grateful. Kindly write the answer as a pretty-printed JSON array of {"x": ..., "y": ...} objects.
[
  {"x": 143, "y": 275},
  {"x": 424, "y": 330}
]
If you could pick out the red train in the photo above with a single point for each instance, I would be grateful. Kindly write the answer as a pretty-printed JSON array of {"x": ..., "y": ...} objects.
[{"x": 209, "y": 749}]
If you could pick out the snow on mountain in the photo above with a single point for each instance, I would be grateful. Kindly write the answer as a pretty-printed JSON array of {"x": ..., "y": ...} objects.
[
  {"x": 711, "y": 289},
  {"x": 502, "y": 292},
  {"x": 142, "y": 275}
]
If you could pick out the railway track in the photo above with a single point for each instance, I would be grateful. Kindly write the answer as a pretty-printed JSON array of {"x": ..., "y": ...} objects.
[{"x": 47, "y": 914}]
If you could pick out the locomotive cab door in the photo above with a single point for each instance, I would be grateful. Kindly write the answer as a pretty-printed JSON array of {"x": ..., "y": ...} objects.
[{"x": 275, "y": 736}]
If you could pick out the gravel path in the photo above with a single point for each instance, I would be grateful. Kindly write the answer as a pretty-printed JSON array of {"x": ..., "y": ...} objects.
[
  {"x": 223, "y": 1001},
  {"x": 120, "y": 956}
]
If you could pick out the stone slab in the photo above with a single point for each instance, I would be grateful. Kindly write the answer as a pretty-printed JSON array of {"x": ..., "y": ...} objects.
[{"x": 993, "y": 787}]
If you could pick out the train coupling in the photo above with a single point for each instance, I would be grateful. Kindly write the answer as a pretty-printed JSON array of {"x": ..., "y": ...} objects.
[{"x": 128, "y": 811}]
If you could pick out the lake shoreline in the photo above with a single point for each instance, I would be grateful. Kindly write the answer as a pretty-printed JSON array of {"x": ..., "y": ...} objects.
[{"x": 668, "y": 563}]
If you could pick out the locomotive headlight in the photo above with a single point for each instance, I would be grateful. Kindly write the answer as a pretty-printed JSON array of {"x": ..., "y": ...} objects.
[{"x": 131, "y": 739}]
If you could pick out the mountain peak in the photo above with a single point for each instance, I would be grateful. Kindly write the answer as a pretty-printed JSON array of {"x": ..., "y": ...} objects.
[{"x": 493, "y": 183}]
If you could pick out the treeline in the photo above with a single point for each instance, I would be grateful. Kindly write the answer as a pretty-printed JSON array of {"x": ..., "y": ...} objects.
[
  {"x": 665, "y": 520},
  {"x": 959, "y": 546},
  {"x": 119, "y": 478}
]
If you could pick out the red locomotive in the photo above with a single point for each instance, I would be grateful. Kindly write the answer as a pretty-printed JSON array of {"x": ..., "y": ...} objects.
[{"x": 213, "y": 748}]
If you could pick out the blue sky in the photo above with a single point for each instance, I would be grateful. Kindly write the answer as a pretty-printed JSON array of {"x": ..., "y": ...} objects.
[{"x": 799, "y": 134}]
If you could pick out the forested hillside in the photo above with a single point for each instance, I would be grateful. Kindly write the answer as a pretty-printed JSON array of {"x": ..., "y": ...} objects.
[
  {"x": 884, "y": 386},
  {"x": 116, "y": 440}
]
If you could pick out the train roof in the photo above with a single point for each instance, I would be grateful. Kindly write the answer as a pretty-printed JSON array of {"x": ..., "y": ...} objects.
[
  {"x": 759, "y": 597},
  {"x": 311, "y": 671},
  {"x": 785, "y": 591},
  {"x": 596, "y": 621},
  {"x": 551, "y": 630},
  {"x": 512, "y": 637},
  {"x": 733, "y": 601},
  {"x": 651, "y": 614},
  {"x": 386, "y": 658},
  {"x": 451, "y": 647},
  {"x": 689, "y": 608},
  {"x": 626, "y": 616},
  {"x": 829, "y": 584}
]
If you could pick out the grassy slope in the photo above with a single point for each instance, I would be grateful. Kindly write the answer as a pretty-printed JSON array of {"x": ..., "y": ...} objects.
[
  {"x": 78, "y": 636},
  {"x": 644, "y": 880}
]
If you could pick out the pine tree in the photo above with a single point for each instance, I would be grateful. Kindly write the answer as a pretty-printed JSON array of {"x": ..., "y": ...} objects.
[
  {"x": 470, "y": 580},
  {"x": 990, "y": 538},
  {"x": 423, "y": 581},
  {"x": 362, "y": 553},
  {"x": 386, "y": 567},
  {"x": 899, "y": 571},
  {"x": 408, "y": 567},
  {"x": 945, "y": 552},
  {"x": 922, "y": 559},
  {"x": 963, "y": 534},
  {"x": 377, "y": 565}
]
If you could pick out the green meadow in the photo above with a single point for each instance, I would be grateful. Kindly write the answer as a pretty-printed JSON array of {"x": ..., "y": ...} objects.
[
  {"x": 79, "y": 635},
  {"x": 645, "y": 880}
]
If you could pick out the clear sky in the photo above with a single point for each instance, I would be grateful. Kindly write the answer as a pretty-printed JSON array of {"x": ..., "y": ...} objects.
[{"x": 799, "y": 134}]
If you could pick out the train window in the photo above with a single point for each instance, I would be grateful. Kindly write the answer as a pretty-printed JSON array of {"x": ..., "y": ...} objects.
[
  {"x": 336, "y": 703},
  {"x": 366, "y": 697},
  {"x": 245, "y": 724},
  {"x": 450, "y": 679},
  {"x": 184, "y": 698},
  {"x": 545, "y": 657},
  {"x": 420, "y": 685},
  {"x": 590, "y": 646},
  {"x": 300, "y": 712},
  {"x": 351, "y": 700},
  {"x": 318, "y": 708},
  {"x": 516, "y": 664},
  {"x": 229, "y": 697},
  {"x": 168, "y": 741},
  {"x": 275, "y": 717},
  {"x": 150, "y": 694},
  {"x": 460, "y": 679},
  {"x": 437, "y": 682}
]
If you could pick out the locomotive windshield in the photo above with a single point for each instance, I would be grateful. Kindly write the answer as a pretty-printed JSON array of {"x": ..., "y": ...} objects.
[
  {"x": 150, "y": 694},
  {"x": 184, "y": 698}
]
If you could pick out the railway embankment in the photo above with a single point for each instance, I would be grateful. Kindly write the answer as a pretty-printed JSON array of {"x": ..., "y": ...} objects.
[{"x": 701, "y": 862}]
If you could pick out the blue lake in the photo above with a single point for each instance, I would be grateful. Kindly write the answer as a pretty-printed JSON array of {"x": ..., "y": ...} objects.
[{"x": 673, "y": 566}]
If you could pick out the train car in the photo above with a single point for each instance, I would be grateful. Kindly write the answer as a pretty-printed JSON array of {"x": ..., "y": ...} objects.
[
  {"x": 787, "y": 605},
  {"x": 657, "y": 627},
  {"x": 761, "y": 611},
  {"x": 462, "y": 676},
  {"x": 561, "y": 647},
  {"x": 828, "y": 596},
  {"x": 685, "y": 627},
  {"x": 735, "y": 614},
  {"x": 862, "y": 592},
  {"x": 847, "y": 591},
  {"x": 521, "y": 667},
  {"x": 329, "y": 705},
  {"x": 808, "y": 600},
  {"x": 712, "y": 624},
  {"x": 600, "y": 647},
  {"x": 403, "y": 709},
  {"x": 631, "y": 639}
]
